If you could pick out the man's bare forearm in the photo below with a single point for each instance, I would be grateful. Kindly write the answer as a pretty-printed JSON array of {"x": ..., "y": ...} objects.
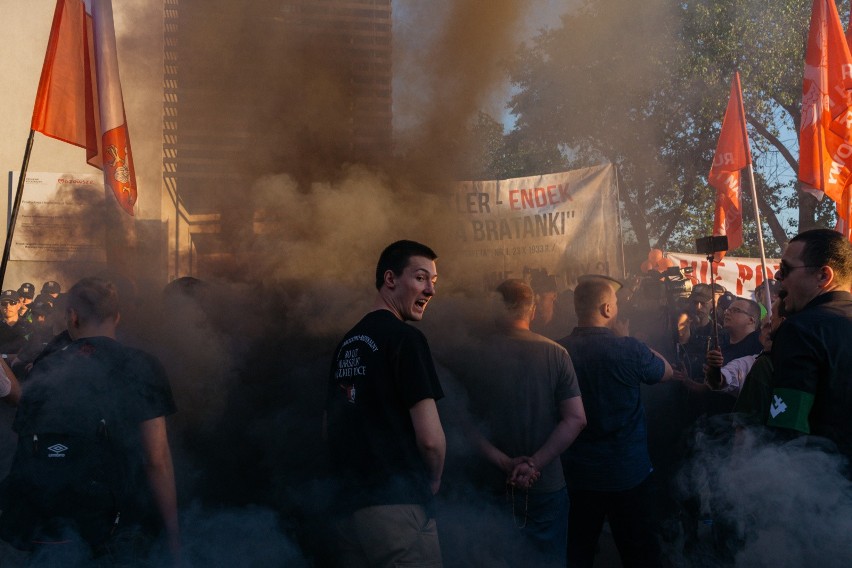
[{"x": 431, "y": 442}]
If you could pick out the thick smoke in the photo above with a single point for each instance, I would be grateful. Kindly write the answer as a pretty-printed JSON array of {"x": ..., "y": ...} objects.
[
  {"x": 765, "y": 503},
  {"x": 248, "y": 354}
]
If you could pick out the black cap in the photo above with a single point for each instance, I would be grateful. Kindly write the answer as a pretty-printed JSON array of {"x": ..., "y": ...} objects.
[
  {"x": 41, "y": 306},
  {"x": 10, "y": 296},
  {"x": 702, "y": 292},
  {"x": 773, "y": 285},
  {"x": 27, "y": 290},
  {"x": 51, "y": 287}
]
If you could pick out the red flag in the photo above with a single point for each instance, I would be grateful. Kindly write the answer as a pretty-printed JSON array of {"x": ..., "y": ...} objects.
[
  {"x": 825, "y": 136},
  {"x": 79, "y": 97},
  {"x": 844, "y": 207},
  {"x": 732, "y": 155}
]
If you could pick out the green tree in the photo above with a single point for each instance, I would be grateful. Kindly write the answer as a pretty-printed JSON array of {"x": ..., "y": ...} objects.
[{"x": 644, "y": 86}]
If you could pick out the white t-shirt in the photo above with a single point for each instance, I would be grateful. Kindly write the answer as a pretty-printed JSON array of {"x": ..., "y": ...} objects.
[{"x": 734, "y": 374}]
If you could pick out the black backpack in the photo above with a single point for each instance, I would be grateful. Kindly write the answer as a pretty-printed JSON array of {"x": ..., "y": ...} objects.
[
  {"x": 65, "y": 485},
  {"x": 62, "y": 486}
]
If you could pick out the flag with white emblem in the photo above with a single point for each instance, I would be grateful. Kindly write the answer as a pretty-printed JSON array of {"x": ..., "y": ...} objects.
[
  {"x": 79, "y": 98},
  {"x": 825, "y": 135}
]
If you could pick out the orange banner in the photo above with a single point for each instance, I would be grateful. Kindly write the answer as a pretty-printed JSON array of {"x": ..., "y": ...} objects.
[{"x": 732, "y": 155}]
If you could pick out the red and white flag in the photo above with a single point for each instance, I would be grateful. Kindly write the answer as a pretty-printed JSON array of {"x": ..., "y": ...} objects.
[
  {"x": 79, "y": 97},
  {"x": 732, "y": 155},
  {"x": 825, "y": 135}
]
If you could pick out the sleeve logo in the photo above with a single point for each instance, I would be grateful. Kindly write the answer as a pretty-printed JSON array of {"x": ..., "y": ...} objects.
[{"x": 778, "y": 406}]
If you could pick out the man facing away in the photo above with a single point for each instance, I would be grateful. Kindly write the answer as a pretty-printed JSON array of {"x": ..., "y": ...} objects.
[
  {"x": 385, "y": 436},
  {"x": 107, "y": 403},
  {"x": 608, "y": 468},
  {"x": 811, "y": 352},
  {"x": 525, "y": 396}
]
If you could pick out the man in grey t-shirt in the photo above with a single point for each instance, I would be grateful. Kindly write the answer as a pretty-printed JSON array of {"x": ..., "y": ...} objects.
[{"x": 524, "y": 393}]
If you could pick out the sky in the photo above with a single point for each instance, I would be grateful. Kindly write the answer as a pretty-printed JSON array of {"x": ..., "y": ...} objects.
[{"x": 25, "y": 28}]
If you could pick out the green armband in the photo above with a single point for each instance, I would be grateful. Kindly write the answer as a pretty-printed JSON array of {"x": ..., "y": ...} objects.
[{"x": 790, "y": 409}]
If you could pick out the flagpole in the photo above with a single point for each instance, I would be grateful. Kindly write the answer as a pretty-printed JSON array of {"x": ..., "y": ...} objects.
[
  {"x": 620, "y": 230},
  {"x": 759, "y": 236},
  {"x": 18, "y": 196},
  {"x": 845, "y": 206},
  {"x": 747, "y": 146}
]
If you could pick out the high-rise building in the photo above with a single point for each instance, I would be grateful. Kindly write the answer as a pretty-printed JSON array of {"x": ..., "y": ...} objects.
[{"x": 269, "y": 86}]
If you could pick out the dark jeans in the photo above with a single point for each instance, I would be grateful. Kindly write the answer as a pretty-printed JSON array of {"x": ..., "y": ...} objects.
[
  {"x": 543, "y": 519},
  {"x": 632, "y": 518},
  {"x": 128, "y": 548}
]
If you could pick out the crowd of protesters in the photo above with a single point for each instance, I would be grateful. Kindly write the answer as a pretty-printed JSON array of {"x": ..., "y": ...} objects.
[{"x": 557, "y": 415}]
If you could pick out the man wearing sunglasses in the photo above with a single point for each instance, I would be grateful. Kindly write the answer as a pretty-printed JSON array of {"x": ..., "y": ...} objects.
[
  {"x": 13, "y": 329},
  {"x": 812, "y": 351}
]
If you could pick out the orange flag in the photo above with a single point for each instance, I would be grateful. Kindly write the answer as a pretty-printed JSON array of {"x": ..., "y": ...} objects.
[
  {"x": 844, "y": 206},
  {"x": 79, "y": 97},
  {"x": 732, "y": 155},
  {"x": 825, "y": 136}
]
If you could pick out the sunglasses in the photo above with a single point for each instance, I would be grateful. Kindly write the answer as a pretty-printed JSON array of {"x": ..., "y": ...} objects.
[
  {"x": 785, "y": 269},
  {"x": 8, "y": 303}
]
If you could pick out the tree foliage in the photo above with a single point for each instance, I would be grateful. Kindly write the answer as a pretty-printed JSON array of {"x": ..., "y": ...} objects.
[{"x": 644, "y": 85}]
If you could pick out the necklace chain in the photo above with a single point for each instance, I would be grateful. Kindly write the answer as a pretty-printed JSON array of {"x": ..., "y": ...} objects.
[{"x": 511, "y": 495}]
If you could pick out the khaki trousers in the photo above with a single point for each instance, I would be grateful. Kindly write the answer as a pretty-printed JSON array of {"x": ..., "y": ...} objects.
[{"x": 389, "y": 536}]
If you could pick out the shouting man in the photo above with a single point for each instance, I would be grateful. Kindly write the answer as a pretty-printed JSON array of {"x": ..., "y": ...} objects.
[
  {"x": 386, "y": 440},
  {"x": 811, "y": 352}
]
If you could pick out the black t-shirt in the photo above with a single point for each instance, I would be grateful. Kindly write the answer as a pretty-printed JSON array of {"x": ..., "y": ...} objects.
[
  {"x": 748, "y": 345},
  {"x": 71, "y": 390},
  {"x": 812, "y": 378},
  {"x": 380, "y": 370},
  {"x": 13, "y": 337}
]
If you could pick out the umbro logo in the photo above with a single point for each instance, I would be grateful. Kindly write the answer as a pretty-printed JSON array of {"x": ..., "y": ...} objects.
[
  {"x": 57, "y": 451},
  {"x": 778, "y": 406}
]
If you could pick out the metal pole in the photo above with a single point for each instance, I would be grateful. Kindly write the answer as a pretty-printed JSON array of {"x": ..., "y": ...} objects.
[
  {"x": 177, "y": 236},
  {"x": 16, "y": 206},
  {"x": 620, "y": 230}
]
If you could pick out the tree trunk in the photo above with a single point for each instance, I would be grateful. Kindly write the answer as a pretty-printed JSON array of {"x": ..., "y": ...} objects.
[{"x": 807, "y": 210}]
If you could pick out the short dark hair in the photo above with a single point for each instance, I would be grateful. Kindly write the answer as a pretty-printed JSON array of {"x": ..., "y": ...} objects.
[
  {"x": 396, "y": 256},
  {"x": 825, "y": 247},
  {"x": 589, "y": 295},
  {"x": 95, "y": 300},
  {"x": 516, "y": 294},
  {"x": 753, "y": 309}
]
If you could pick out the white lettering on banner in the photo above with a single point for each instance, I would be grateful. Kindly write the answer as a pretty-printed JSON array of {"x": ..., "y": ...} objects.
[
  {"x": 740, "y": 276},
  {"x": 838, "y": 163},
  {"x": 733, "y": 181},
  {"x": 723, "y": 159}
]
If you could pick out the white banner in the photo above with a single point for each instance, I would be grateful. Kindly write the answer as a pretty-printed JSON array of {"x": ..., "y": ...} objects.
[
  {"x": 61, "y": 218},
  {"x": 739, "y": 276},
  {"x": 559, "y": 226}
]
